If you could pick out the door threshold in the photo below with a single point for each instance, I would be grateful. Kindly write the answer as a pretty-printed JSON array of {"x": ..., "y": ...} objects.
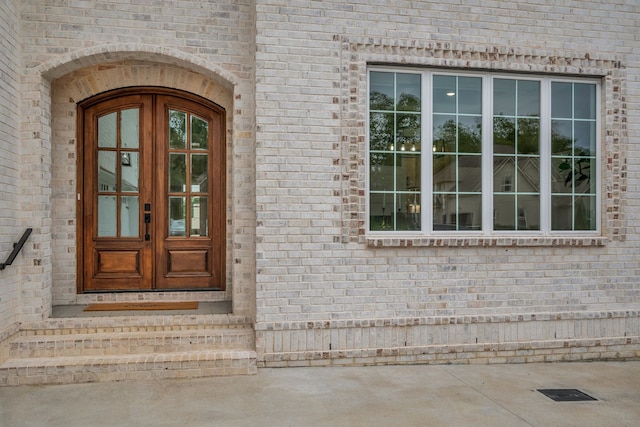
[{"x": 204, "y": 307}]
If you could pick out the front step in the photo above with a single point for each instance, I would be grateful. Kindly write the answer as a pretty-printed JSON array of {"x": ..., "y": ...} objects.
[{"x": 61, "y": 351}]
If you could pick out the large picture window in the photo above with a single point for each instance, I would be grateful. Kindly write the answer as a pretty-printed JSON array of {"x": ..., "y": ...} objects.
[{"x": 482, "y": 153}]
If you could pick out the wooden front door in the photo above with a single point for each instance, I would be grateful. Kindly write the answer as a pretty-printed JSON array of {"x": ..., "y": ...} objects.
[{"x": 152, "y": 185}]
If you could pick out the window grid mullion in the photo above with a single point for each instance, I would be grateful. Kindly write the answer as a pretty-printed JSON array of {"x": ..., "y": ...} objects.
[
  {"x": 426, "y": 180},
  {"x": 545, "y": 155},
  {"x": 487, "y": 154}
]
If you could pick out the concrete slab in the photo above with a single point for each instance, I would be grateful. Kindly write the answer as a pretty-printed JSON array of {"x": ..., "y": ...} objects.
[{"x": 479, "y": 395}]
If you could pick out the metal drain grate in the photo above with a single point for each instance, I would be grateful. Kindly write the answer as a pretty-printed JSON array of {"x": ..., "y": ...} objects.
[{"x": 565, "y": 394}]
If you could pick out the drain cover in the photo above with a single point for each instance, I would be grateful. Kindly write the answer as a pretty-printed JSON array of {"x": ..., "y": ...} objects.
[{"x": 565, "y": 394}]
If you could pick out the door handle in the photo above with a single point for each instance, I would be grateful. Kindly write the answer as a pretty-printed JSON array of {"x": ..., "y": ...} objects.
[{"x": 147, "y": 221}]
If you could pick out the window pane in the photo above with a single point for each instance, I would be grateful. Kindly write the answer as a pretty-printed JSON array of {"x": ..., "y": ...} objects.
[
  {"x": 177, "y": 216},
  {"x": 199, "y": 173},
  {"x": 107, "y": 170},
  {"x": 381, "y": 132},
  {"x": 585, "y": 213},
  {"x": 470, "y": 173},
  {"x": 469, "y": 212},
  {"x": 130, "y": 128},
  {"x": 444, "y": 94},
  {"x": 408, "y": 211},
  {"x": 504, "y": 212},
  {"x": 504, "y": 174},
  {"x": 381, "y": 172},
  {"x": 528, "y": 211},
  {"x": 470, "y": 99},
  {"x": 407, "y": 172},
  {"x": 199, "y": 133},
  {"x": 528, "y": 174},
  {"x": 583, "y": 177},
  {"x": 504, "y": 135},
  {"x": 107, "y": 216},
  {"x": 561, "y": 100},
  {"x": 562, "y": 175},
  {"x": 177, "y": 129},
  {"x": 561, "y": 212},
  {"x": 408, "y": 132},
  {"x": 469, "y": 134},
  {"x": 380, "y": 211},
  {"x": 129, "y": 216},
  {"x": 561, "y": 137},
  {"x": 528, "y": 98},
  {"x": 444, "y": 172},
  {"x": 528, "y": 136},
  {"x": 408, "y": 92},
  {"x": 108, "y": 130},
  {"x": 445, "y": 133},
  {"x": 585, "y": 138},
  {"x": 504, "y": 97},
  {"x": 381, "y": 91},
  {"x": 130, "y": 171},
  {"x": 199, "y": 223},
  {"x": 177, "y": 173},
  {"x": 585, "y": 101}
]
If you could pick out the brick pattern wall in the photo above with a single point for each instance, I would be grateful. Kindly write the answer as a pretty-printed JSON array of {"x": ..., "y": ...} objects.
[
  {"x": 10, "y": 216},
  {"x": 322, "y": 284}
]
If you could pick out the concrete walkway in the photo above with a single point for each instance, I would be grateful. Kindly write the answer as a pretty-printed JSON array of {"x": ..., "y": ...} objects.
[{"x": 494, "y": 395}]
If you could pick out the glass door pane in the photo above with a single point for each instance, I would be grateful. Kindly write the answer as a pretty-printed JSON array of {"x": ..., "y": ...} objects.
[{"x": 188, "y": 170}]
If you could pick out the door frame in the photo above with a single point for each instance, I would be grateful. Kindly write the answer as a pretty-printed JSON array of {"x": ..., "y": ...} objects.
[{"x": 220, "y": 227}]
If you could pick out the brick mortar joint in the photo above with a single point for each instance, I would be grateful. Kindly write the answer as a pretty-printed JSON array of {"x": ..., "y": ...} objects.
[{"x": 445, "y": 320}]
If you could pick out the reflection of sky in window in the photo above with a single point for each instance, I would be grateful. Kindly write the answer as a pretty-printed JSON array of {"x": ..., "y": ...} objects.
[
  {"x": 585, "y": 101},
  {"x": 381, "y": 83},
  {"x": 585, "y": 137},
  {"x": 516, "y": 98},
  {"x": 450, "y": 92}
]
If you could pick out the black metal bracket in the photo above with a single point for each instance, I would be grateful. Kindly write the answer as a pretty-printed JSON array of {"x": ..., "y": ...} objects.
[{"x": 17, "y": 247}]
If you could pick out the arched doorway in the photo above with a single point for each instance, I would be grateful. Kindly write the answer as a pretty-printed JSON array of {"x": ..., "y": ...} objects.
[{"x": 151, "y": 181}]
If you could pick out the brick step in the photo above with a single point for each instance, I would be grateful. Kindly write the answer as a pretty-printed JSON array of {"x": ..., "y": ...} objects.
[
  {"x": 122, "y": 348},
  {"x": 36, "y": 344},
  {"x": 126, "y": 367},
  {"x": 81, "y": 325}
]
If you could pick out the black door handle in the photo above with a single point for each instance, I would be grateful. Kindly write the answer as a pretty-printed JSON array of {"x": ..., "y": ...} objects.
[{"x": 147, "y": 221}]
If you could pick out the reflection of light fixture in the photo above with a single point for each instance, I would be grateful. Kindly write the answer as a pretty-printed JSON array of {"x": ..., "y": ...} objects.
[
  {"x": 413, "y": 147},
  {"x": 451, "y": 94},
  {"x": 391, "y": 147},
  {"x": 434, "y": 148},
  {"x": 402, "y": 147},
  {"x": 125, "y": 159}
]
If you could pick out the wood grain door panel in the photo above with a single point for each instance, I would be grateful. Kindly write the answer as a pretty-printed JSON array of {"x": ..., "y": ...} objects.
[{"x": 160, "y": 226}]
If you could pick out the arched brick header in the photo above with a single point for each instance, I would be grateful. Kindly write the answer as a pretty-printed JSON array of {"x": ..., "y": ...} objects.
[{"x": 69, "y": 62}]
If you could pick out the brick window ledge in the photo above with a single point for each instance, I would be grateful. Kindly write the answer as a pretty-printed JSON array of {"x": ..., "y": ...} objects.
[{"x": 498, "y": 241}]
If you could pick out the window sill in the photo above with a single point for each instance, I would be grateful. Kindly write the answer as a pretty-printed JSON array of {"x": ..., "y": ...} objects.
[{"x": 497, "y": 241}]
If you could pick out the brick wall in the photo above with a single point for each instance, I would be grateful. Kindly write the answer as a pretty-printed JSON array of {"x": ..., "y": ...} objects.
[
  {"x": 10, "y": 217},
  {"x": 324, "y": 288}
]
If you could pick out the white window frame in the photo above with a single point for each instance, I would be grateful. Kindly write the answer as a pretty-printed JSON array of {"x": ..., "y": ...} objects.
[{"x": 426, "y": 156}]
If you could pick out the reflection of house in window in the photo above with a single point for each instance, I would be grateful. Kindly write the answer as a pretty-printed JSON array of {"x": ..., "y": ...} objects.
[{"x": 507, "y": 184}]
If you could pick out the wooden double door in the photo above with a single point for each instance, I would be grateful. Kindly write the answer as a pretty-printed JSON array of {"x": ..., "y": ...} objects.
[{"x": 152, "y": 185}]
